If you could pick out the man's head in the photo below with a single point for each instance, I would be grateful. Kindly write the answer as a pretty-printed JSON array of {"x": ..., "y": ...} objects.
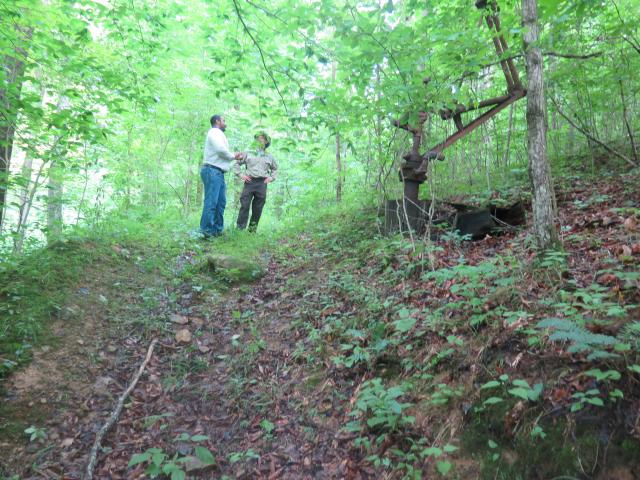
[
  {"x": 263, "y": 139},
  {"x": 217, "y": 121}
]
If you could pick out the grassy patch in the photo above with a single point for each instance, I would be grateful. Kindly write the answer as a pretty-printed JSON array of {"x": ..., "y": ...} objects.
[{"x": 32, "y": 292}]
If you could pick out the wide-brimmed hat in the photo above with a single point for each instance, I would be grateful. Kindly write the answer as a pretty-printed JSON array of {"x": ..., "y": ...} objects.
[{"x": 266, "y": 137}]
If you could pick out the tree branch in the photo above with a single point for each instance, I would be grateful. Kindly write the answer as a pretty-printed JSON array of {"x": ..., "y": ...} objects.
[
  {"x": 116, "y": 413},
  {"x": 388, "y": 52},
  {"x": 633, "y": 41},
  {"x": 264, "y": 64},
  {"x": 591, "y": 137},
  {"x": 573, "y": 56},
  {"x": 306, "y": 37}
]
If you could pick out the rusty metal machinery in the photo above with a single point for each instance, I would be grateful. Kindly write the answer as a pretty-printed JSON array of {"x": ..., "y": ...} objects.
[{"x": 413, "y": 171}]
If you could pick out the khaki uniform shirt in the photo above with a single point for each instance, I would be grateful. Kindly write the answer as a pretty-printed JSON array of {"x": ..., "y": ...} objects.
[{"x": 259, "y": 164}]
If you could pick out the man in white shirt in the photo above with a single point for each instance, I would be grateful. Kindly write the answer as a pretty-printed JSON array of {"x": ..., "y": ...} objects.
[{"x": 217, "y": 161}]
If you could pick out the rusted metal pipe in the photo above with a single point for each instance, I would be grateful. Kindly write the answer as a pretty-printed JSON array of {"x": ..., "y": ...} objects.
[
  {"x": 505, "y": 47},
  {"x": 498, "y": 46},
  {"x": 478, "y": 121},
  {"x": 447, "y": 113}
]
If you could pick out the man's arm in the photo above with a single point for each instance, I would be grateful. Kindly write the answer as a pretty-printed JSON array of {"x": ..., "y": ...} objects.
[{"x": 241, "y": 158}]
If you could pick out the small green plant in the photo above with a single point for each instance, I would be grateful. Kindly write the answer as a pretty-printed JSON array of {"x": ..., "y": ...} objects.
[
  {"x": 595, "y": 199},
  {"x": 601, "y": 376},
  {"x": 519, "y": 389},
  {"x": 583, "y": 398},
  {"x": 380, "y": 408},
  {"x": 267, "y": 426},
  {"x": 357, "y": 354},
  {"x": 454, "y": 237},
  {"x": 257, "y": 343},
  {"x": 183, "y": 365},
  {"x": 479, "y": 292},
  {"x": 249, "y": 454},
  {"x": 443, "y": 393},
  {"x": 538, "y": 432},
  {"x": 151, "y": 420},
  {"x": 406, "y": 320},
  {"x": 407, "y": 460},
  {"x": 162, "y": 463},
  {"x": 36, "y": 433},
  {"x": 631, "y": 334},
  {"x": 494, "y": 450},
  {"x": 553, "y": 263}
]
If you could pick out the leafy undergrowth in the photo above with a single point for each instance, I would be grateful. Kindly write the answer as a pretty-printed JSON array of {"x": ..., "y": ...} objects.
[{"x": 357, "y": 356}]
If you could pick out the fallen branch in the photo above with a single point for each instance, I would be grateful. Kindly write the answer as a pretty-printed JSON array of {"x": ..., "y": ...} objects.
[
  {"x": 170, "y": 347},
  {"x": 591, "y": 137},
  {"x": 116, "y": 413}
]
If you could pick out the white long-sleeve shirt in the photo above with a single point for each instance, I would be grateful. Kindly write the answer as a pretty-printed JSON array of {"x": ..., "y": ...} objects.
[{"x": 216, "y": 150}]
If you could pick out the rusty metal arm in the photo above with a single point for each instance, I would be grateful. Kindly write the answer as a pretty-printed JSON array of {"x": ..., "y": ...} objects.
[
  {"x": 465, "y": 130},
  {"x": 447, "y": 113},
  {"x": 514, "y": 86}
]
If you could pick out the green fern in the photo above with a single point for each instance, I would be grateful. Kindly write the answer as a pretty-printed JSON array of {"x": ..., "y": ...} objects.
[
  {"x": 631, "y": 333},
  {"x": 582, "y": 340}
]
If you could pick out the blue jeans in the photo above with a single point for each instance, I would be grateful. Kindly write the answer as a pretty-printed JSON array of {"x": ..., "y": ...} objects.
[{"x": 215, "y": 199}]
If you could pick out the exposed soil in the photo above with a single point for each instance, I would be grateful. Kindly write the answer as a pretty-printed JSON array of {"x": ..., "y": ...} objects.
[{"x": 81, "y": 365}]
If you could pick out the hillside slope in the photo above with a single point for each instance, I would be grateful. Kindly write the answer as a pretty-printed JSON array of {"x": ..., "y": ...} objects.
[{"x": 354, "y": 356}]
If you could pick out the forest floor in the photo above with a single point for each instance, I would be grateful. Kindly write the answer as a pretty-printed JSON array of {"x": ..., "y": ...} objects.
[{"x": 353, "y": 356}]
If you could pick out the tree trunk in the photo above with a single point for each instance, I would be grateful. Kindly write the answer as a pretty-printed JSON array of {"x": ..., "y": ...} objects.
[
  {"x": 54, "y": 203},
  {"x": 14, "y": 67},
  {"x": 625, "y": 117},
  {"x": 339, "y": 170},
  {"x": 23, "y": 212},
  {"x": 505, "y": 157},
  {"x": 83, "y": 197},
  {"x": 55, "y": 188},
  {"x": 378, "y": 131},
  {"x": 27, "y": 168},
  {"x": 539, "y": 168},
  {"x": 338, "y": 159},
  {"x": 32, "y": 188}
]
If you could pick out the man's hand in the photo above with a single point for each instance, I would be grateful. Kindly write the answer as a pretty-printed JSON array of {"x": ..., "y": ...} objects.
[
  {"x": 245, "y": 178},
  {"x": 268, "y": 180},
  {"x": 238, "y": 155}
]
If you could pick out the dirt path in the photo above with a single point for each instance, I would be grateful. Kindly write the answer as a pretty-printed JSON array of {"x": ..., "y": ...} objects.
[
  {"x": 241, "y": 384},
  {"x": 267, "y": 411}
]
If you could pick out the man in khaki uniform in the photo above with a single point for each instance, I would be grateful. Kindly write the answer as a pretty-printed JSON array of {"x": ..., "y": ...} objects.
[{"x": 260, "y": 170}]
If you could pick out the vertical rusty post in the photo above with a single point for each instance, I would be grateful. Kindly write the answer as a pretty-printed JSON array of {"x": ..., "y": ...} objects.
[
  {"x": 410, "y": 205},
  {"x": 505, "y": 47},
  {"x": 498, "y": 45},
  {"x": 412, "y": 174}
]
